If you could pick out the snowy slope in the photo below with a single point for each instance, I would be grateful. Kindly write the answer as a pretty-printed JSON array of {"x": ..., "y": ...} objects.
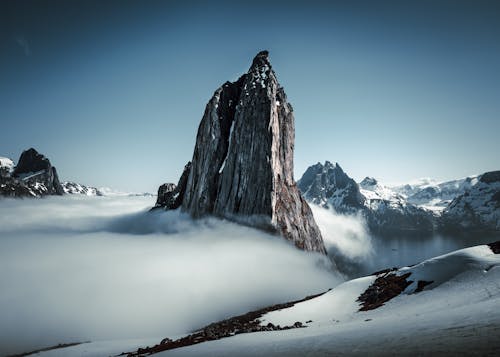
[
  {"x": 457, "y": 313},
  {"x": 433, "y": 195},
  {"x": 459, "y": 318},
  {"x": 76, "y": 188}
]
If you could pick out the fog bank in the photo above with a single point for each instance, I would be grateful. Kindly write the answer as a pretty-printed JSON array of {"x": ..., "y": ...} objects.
[{"x": 78, "y": 268}]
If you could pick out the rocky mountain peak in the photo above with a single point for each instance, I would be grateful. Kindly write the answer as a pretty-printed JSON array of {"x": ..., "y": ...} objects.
[
  {"x": 242, "y": 165},
  {"x": 490, "y": 177},
  {"x": 33, "y": 176},
  {"x": 329, "y": 186},
  {"x": 261, "y": 59},
  {"x": 31, "y": 161},
  {"x": 368, "y": 182}
]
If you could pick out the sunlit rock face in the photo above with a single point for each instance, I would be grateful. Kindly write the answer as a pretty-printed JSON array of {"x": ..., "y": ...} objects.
[{"x": 242, "y": 166}]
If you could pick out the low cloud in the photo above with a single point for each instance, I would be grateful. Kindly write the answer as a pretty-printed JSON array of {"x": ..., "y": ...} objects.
[{"x": 76, "y": 268}]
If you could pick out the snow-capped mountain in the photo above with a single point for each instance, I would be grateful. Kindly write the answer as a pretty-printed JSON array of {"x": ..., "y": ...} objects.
[
  {"x": 478, "y": 207},
  {"x": 425, "y": 205},
  {"x": 329, "y": 186},
  {"x": 33, "y": 176},
  {"x": 76, "y": 188},
  {"x": 433, "y": 195},
  {"x": 385, "y": 210}
]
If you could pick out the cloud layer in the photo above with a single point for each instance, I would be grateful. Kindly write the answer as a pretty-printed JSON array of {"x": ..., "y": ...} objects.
[{"x": 78, "y": 268}]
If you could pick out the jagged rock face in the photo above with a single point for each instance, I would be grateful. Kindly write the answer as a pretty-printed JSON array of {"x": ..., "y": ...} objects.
[
  {"x": 35, "y": 169},
  {"x": 478, "y": 208},
  {"x": 212, "y": 143},
  {"x": 242, "y": 167},
  {"x": 73, "y": 188},
  {"x": 33, "y": 176},
  {"x": 170, "y": 196},
  {"x": 329, "y": 186},
  {"x": 384, "y": 210}
]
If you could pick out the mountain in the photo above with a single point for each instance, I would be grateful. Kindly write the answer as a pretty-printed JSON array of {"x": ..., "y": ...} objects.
[
  {"x": 242, "y": 165},
  {"x": 76, "y": 188},
  {"x": 329, "y": 186},
  {"x": 432, "y": 195},
  {"x": 471, "y": 203},
  {"x": 477, "y": 208},
  {"x": 384, "y": 210},
  {"x": 33, "y": 176}
]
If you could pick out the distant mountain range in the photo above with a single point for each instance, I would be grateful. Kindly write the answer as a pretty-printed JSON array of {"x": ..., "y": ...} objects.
[
  {"x": 34, "y": 176},
  {"x": 471, "y": 203}
]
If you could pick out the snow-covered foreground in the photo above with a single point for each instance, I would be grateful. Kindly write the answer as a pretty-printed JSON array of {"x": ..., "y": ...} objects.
[
  {"x": 457, "y": 314},
  {"x": 79, "y": 268}
]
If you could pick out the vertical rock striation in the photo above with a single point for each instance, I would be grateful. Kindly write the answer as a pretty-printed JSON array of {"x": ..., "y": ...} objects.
[{"x": 242, "y": 166}]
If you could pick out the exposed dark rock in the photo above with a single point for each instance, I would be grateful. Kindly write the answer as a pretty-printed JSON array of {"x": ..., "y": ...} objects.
[
  {"x": 12, "y": 187},
  {"x": 246, "y": 323},
  {"x": 34, "y": 176},
  {"x": 384, "y": 271},
  {"x": 74, "y": 188},
  {"x": 421, "y": 284},
  {"x": 383, "y": 289},
  {"x": 165, "y": 194},
  {"x": 51, "y": 348},
  {"x": 490, "y": 177},
  {"x": 329, "y": 186},
  {"x": 242, "y": 166},
  {"x": 495, "y": 247},
  {"x": 170, "y": 196}
]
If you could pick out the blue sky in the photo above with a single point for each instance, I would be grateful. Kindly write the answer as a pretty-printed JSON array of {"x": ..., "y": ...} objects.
[{"x": 113, "y": 92}]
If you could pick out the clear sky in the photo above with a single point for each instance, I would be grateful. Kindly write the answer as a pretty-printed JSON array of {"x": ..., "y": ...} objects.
[{"x": 113, "y": 91}]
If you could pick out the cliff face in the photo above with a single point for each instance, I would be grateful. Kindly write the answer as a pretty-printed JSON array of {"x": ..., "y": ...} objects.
[
  {"x": 242, "y": 166},
  {"x": 35, "y": 168},
  {"x": 34, "y": 176}
]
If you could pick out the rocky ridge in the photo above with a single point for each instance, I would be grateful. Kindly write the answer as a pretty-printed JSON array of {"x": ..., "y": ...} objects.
[
  {"x": 73, "y": 188},
  {"x": 242, "y": 165},
  {"x": 385, "y": 211},
  {"x": 472, "y": 203},
  {"x": 33, "y": 176}
]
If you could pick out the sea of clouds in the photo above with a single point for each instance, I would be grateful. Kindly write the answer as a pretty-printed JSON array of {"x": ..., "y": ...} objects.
[{"x": 80, "y": 268}]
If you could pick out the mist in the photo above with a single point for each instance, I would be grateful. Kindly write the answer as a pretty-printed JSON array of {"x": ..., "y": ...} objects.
[
  {"x": 357, "y": 252},
  {"x": 100, "y": 268}
]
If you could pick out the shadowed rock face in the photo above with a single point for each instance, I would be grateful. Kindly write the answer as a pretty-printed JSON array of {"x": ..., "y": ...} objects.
[
  {"x": 242, "y": 166},
  {"x": 33, "y": 167},
  {"x": 34, "y": 176}
]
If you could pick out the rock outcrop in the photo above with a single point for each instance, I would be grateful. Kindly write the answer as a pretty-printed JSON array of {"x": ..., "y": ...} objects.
[
  {"x": 170, "y": 195},
  {"x": 242, "y": 166},
  {"x": 33, "y": 176}
]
